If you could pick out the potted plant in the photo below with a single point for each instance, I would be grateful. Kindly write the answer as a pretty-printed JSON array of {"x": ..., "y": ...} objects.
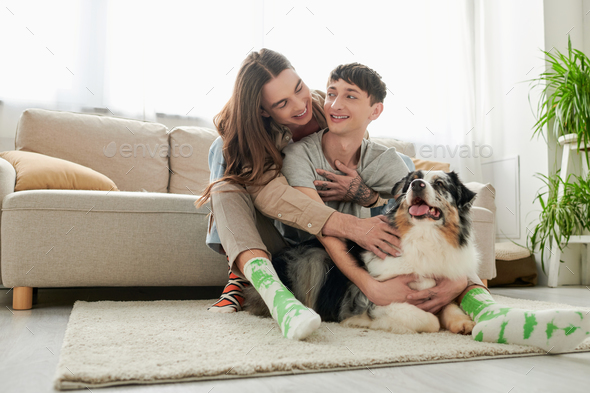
[
  {"x": 566, "y": 96},
  {"x": 561, "y": 215},
  {"x": 564, "y": 100}
]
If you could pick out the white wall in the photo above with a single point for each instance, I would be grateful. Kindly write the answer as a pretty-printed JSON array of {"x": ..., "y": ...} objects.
[
  {"x": 563, "y": 17},
  {"x": 515, "y": 33},
  {"x": 514, "y": 38}
]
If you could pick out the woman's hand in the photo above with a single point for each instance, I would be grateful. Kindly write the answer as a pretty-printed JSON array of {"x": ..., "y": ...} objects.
[
  {"x": 395, "y": 290},
  {"x": 373, "y": 234},
  {"x": 376, "y": 234},
  {"x": 434, "y": 299},
  {"x": 349, "y": 187}
]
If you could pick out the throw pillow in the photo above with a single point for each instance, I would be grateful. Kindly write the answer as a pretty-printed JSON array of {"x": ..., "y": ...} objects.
[
  {"x": 36, "y": 171},
  {"x": 426, "y": 165}
]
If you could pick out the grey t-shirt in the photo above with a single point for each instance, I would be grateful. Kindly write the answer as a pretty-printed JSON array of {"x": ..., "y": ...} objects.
[{"x": 379, "y": 167}]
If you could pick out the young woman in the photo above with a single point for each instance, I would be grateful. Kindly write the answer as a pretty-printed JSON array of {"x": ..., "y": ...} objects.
[{"x": 271, "y": 107}]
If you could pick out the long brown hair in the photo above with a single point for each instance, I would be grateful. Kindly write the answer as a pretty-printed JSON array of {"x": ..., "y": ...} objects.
[{"x": 249, "y": 147}]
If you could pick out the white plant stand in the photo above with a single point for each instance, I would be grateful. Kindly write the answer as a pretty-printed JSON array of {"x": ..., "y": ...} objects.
[{"x": 569, "y": 143}]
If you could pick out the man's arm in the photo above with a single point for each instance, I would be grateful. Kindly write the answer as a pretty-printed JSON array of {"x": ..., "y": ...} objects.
[{"x": 383, "y": 293}]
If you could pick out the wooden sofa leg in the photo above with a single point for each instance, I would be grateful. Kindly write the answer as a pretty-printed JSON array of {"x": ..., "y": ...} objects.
[{"x": 22, "y": 298}]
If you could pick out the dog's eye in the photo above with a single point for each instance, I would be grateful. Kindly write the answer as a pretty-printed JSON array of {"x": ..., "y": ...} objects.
[{"x": 439, "y": 183}]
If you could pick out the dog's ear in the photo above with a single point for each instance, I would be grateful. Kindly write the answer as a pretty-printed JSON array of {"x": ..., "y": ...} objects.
[
  {"x": 465, "y": 197},
  {"x": 401, "y": 187},
  {"x": 398, "y": 188}
]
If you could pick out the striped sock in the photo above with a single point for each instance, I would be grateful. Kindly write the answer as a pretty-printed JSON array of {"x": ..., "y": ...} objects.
[
  {"x": 232, "y": 297},
  {"x": 553, "y": 330}
]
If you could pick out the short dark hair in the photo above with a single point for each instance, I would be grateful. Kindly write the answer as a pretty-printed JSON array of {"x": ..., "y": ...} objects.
[{"x": 362, "y": 76}]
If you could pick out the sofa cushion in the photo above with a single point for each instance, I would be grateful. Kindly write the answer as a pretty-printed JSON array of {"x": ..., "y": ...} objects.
[
  {"x": 37, "y": 171},
  {"x": 189, "y": 150},
  {"x": 100, "y": 201},
  {"x": 134, "y": 154}
]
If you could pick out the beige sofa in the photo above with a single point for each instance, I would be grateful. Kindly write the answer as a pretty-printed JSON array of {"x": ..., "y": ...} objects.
[{"x": 147, "y": 234}]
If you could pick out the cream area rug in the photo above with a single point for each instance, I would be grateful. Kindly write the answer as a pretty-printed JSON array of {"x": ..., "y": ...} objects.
[{"x": 111, "y": 343}]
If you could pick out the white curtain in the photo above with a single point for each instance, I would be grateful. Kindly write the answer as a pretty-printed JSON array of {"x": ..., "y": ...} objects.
[
  {"x": 137, "y": 58},
  {"x": 128, "y": 57},
  {"x": 427, "y": 53},
  {"x": 176, "y": 57},
  {"x": 39, "y": 52}
]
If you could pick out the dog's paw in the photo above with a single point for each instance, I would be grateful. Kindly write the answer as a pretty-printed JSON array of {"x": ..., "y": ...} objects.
[
  {"x": 461, "y": 327},
  {"x": 357, "y": 321}
]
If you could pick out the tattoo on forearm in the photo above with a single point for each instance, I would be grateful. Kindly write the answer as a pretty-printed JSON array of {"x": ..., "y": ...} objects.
[{"x": 359, "y": 192}]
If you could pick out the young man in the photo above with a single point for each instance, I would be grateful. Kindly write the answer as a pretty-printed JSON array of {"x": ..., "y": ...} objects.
[
  {"x": 354, "y": 99},
  {"x": 355, "y": 95}
]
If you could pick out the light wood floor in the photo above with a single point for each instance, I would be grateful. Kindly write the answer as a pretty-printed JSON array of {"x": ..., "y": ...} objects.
[{"x": 30, "y": 343}]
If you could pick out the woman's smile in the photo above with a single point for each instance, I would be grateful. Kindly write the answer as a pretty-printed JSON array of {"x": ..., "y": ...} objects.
[{"x": 302, "y": 114}]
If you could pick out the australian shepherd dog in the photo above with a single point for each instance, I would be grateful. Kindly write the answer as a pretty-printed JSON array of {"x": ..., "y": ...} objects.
[{"x": 432, "y": 214}]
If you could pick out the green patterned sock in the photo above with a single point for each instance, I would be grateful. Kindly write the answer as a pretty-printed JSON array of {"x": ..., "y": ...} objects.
[
  {"x": 552, "y": 330},
  {"x": 295, "y": 320}
]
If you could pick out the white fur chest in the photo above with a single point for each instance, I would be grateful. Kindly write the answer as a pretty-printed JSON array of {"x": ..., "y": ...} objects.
[{"x": 427, "y": 253}]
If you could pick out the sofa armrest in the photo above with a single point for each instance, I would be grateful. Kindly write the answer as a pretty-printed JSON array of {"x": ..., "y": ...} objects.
[
  {"x": 484, "y": 230},
  {"x": 486, "y": 195},
  {"x": 483, "y": 213},
  {"x": 7, "y": 182},
  {"x": 7, "y": 179}
]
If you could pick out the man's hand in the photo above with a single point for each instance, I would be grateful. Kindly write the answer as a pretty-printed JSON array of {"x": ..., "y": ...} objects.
[
  {"x": 349, "y": 187},
  {"x": 395, "y": 290},
  {"x": 434, "y": 299}
]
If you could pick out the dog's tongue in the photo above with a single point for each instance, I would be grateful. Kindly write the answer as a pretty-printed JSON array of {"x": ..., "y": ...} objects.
[{"x": 419, "y": 210}]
